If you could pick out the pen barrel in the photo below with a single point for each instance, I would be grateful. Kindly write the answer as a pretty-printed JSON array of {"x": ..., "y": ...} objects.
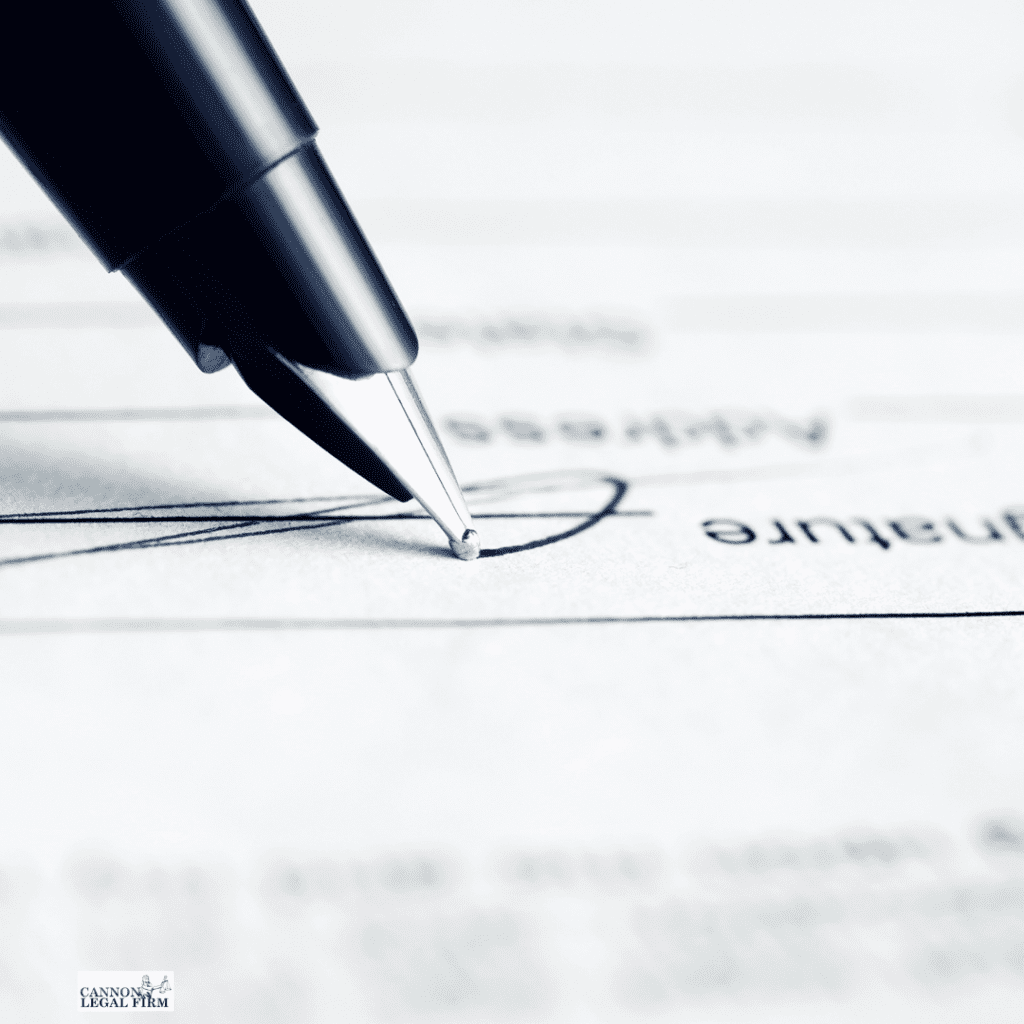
[
  {"x": 170, "y": 136},
  {"x": 282, "y": 265},
  {"x": 137, "y": 115}
]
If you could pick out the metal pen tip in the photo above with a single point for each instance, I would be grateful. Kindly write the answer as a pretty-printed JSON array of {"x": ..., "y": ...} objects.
[
  {"x": 468, "y": 548},
  {"x": 386, "y": 411}
]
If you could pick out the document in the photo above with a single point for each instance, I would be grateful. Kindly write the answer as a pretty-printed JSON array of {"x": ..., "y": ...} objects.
[{"x": 724, "y": 724}]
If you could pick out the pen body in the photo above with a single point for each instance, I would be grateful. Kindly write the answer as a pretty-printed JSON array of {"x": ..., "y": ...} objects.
[{"x": 170, "y": 136}]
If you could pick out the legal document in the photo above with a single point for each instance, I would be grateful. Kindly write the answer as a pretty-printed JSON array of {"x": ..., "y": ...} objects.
[{"x": 724, "y": 725}]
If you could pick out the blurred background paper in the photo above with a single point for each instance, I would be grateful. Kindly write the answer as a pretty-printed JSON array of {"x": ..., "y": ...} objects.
[{"x": 724, "y": 305}]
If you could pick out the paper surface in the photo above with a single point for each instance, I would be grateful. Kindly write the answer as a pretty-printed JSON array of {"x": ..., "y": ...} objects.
[{"x": 721, "y": 327}]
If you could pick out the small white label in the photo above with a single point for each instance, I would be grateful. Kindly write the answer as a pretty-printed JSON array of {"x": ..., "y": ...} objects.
[{"x": 125, "y": 991}]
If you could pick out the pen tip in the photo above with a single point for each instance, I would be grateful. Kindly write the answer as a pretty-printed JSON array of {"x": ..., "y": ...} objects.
[{"x": 468, "y": 548}]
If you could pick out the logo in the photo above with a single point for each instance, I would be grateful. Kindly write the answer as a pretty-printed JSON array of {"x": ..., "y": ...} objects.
[{"x": 125, "y": 991}]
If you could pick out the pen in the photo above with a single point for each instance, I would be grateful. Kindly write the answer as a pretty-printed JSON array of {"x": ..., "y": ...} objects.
[{"x": 170, "y": 136}]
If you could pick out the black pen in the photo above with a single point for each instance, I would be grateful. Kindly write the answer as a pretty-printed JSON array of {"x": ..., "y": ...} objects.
[{"x": 170, "y": 136}]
